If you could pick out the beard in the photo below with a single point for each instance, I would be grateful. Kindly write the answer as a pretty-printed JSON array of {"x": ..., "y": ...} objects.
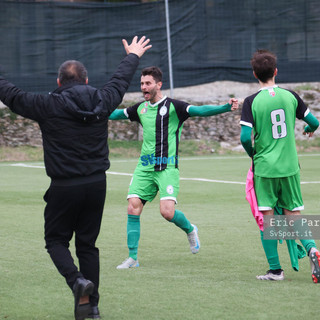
[{"x": 150, "y": 95}]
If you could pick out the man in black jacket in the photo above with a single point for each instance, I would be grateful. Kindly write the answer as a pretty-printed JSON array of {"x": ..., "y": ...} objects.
[{"x": 74, "y": 125}]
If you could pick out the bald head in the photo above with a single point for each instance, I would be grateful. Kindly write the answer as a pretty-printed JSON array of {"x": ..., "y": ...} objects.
[{"x": 72, "y": 71}]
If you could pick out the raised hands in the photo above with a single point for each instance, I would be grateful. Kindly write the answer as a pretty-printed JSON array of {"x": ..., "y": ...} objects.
[{"x": 137, "y": 47}]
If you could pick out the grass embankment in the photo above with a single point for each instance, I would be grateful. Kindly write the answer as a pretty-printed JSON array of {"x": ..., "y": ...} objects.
[{"x": 131, "y": 149}]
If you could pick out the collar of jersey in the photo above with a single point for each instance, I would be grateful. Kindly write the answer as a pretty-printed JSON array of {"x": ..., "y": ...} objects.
[
  {"x": 267, "y": 88},
  {"x": 158, "y": 102}
]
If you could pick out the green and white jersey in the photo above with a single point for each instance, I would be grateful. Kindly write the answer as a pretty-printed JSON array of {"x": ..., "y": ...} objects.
[
  {"x": 271, "y": 113},
  {"x": 162, "y": 123}
]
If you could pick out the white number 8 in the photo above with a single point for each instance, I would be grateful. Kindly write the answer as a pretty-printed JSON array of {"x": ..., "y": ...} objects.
[{"x": 279, "y": 127}]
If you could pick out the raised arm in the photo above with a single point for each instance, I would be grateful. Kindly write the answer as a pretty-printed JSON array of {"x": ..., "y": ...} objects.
[
  {"x": 211, "y": 110},
  {"x": 312, "y": 126},
  {"x": 117, "y": 86},
  {"x": 118, "y": 114}
]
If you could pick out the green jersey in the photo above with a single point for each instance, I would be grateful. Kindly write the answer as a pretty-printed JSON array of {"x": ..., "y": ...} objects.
[
  {"x": 162, "y": 123},
  {"x": 271, "y": 113}
]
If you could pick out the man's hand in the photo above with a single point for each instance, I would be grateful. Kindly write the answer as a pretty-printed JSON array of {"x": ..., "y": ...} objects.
[
  {"x": 234, "y": 104},
  {"x": 310, "y": 134},
  {"x": 137, "y": 47}
]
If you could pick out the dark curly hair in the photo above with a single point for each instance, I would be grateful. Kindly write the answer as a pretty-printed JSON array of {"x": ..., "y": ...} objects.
[{"x": 264, "y": 64}]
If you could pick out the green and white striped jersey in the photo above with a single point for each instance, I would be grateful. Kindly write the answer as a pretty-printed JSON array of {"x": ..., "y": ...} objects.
[{"x": 162, "y": 123}]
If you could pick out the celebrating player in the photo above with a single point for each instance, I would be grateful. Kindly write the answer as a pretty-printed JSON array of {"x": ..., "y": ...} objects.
[
  {"x": 271, "y": 114},
  {"x": 162, "y": 120}
]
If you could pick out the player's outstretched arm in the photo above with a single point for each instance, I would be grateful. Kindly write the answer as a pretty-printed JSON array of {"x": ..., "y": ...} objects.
[
  {"x": 245, "y": 138},
  {"x": 118, "y": 114},
  {"x": 210, "y": 110},
  {"x": 137, "y": 47},
  {"x": 312, "y": 126}
]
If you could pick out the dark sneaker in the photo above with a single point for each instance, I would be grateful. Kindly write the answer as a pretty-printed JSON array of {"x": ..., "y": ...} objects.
[{"x": 314, "y": 256}]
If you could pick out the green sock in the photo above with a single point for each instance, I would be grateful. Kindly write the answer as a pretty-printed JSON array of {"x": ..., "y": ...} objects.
[
  {"x": 308, "y": 244},
  {"x": 271, "y": 250},
  {"x": 133, "y": 235},
  {"x": 180, "y": 220}
]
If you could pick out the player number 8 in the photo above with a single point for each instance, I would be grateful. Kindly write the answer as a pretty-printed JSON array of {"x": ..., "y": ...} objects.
[{"x": 279, "y": 127}]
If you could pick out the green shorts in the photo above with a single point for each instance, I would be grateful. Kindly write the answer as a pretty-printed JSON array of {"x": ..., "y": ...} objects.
[
  {"x": 283, "y": 192},
  {"x": 146, "y": 184}
]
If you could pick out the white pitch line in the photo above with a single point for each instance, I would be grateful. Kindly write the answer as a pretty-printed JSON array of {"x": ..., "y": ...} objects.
[
  {"x": 210, "y": 180},
  {"x": 187, "y": 179},
  {"x": 130, "y": 175},
  {"x": 26, "y": 165},
  {"x": 309, "y": 155},
  {"x": 119, "y": 173},
  {"x": 309, "y": 182}
]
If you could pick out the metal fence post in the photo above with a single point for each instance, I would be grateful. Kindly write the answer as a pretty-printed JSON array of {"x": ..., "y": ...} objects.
[{"x": 169, "y": 48}]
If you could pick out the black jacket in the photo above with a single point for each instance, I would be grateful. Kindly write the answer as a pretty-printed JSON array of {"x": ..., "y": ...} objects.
[{"x": 73, "y": 121}]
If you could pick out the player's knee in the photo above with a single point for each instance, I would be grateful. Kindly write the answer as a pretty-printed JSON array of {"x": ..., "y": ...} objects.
[
  {"x": 135, "y": 206},
  {"x": 167, "y": 213},
  {"x": 167, "y": 208}
]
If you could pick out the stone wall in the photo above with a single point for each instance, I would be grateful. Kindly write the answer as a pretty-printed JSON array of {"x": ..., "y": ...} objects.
[
  {"x": 17, "y": 131},
  {"x": 224, "y": 128}
]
